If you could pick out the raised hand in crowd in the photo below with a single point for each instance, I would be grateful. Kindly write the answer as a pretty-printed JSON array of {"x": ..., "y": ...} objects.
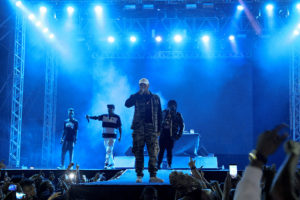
[
  {"x": 54, "y": 195},
  {"x": 227, "y": 187},
  {"x": 283, "y": 186}
]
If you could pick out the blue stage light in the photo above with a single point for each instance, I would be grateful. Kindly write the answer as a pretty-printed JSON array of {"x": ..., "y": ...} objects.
[
  {"x": 38, "y": 23},
  {"x": 70, "y": 10},
  {"x": 98, "y": 9},
  {"x": 31, "y": 17},
  {"x": 51, "y": 36},
  {"x": 18, "y": 3},
  {"x": 45, "y": 30},
  {"x": 231, "y": 38},
  {"x": 158, "y": 38},
  {"x": 132, "y": 39},
  {"x": 269, "y": 7},
  {"x": 205, "y": 38},
  {"x": 298, "y": 6},
  {"x": 240, "y": 7},
  {"x": 296, "y": 32},
  {"x": 111, "y": 39},
  {"x": 43, "y": 9},
  {"x": 177, "y": 38}
]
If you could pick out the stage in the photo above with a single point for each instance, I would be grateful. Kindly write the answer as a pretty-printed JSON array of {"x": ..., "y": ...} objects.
[{"x": 123, "y": 187}]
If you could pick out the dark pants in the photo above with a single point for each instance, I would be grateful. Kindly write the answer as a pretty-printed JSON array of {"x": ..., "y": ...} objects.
[
  {"x": 67, "y": 146},
  {"x": 165, "y": 143},
  {"x": 141, "y": 136}
]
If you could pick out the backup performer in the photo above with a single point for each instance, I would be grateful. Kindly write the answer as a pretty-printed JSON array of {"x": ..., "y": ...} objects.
[{"x": 110, "y": 123}]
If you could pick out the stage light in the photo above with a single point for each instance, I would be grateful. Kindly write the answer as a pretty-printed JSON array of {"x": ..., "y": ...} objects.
[
  {"x": 45, "y": 30},
  {"x": 269, "y": 7},
  {"x": 71, "y": 175},
  {"x": 296, "y": 33},
  {"x": 43, "y": 9},
  {"x": 18, "y": 3},
  {"x": 70, "y": 10},
  {"x": 231, "y": 38},
  {"x": 132, "y": 39},
  {"x": 298, "y": 26},
  {"x": 98, "y": 9},
  {"x": 110, "y": 39},
  {"x": 158, "y": 38},
  {"x": 38, "y": 24},
  {"x": 177, "y": 38},
  {"x": 31, "y": 17},
  {"x": 240, "y": 7},
  {"x": 205, "y": 38},
  {"x": 298, "y": 6},
  {"x": 51, "y": 36}
]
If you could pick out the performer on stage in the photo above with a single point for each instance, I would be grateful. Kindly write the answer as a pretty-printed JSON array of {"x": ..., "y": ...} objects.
[
  {"x": 146, "y": 126},
  {"x": 110, "y": 122},
  {"x": 171, "y": 130},
  {"x": 69, "y": 137}
]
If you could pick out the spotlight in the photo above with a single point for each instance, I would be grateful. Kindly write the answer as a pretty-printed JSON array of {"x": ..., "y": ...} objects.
[
  {"x": 98, "y": 9},
  {"x": 269, "y": 7},
  {"x": 158, "y": 38},
  {"x": 51, "y": 36},
  {"x": 132, "y": 39},
  {"x": 45, "y": 30},
  {"x": 298, "y": 6},
  {"x": 38, "y": 24},
  {"x": 205, "y": 38},
  {"x": 18, "y": 3},
  {"x": 240, "y": 7},
  {"x": 31, "y": 17},
  {"x": 43, "y": 9},
  {"x": 231, "y": 37},
  {"x": 70, "y": 10},
  {"x": 110, "y": 39},
  {"x": 177, "y": 38},
  {"x": 71, "y": 175},
  {"x": 296, "y": 33}
]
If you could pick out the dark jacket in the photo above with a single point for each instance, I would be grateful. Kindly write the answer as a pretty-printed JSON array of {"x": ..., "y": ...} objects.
[
  {"x": 173, "y": 122},
  {"x": 140, "y": 108}
]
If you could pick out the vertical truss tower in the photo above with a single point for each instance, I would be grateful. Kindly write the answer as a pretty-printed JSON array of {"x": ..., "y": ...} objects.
[
  {"x": 295, "y": 93},
  {"x": 17, "y": 95},
  {"x": 49, "y": 109}
]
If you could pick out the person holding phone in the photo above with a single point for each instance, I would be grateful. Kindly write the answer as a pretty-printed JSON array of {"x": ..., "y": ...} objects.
[
  {"x": 171, "y": 130},
  {"x": 146, "y": 127},
  {"x": 69, "y": 137},
  {"x": 110, "y": 123}
]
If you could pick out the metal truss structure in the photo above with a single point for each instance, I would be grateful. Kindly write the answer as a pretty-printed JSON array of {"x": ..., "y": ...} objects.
[
  {"x": 295, "y": 93},
  {"x": 49, "y": 109},
  {"x": 17, "y": 93}
]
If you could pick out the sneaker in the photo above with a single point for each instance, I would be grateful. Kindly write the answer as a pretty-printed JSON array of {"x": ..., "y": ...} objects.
[
  {"x": 61, "y": 167},
  {"x": 139, "y": 179},
  {"x": 169, "y": 167},
  {"x": 156, "y": 180}
]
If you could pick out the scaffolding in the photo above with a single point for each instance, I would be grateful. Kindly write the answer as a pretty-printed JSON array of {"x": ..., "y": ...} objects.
[
  {"x": 295, "y": 93},
  {"x": 17, "y": 92},
  {"x": 49, "y": 109}
]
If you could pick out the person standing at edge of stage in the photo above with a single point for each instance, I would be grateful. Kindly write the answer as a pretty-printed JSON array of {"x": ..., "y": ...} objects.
[
  {"x": 110, "y": 122},
  {"x": 69, "y": 137},
  {"x": 146, "y": 126},
  {"x": 171, "y": 130}
]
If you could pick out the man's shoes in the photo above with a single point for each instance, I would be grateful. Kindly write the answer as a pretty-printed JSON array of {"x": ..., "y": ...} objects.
[
  {"x": 139, "y": 179},
  {"x": 61, "y": 167},
  {"x": 111, "y": 166},
  {"x": 169, "y": 167},
  {"x": 154, "y": 179}
]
